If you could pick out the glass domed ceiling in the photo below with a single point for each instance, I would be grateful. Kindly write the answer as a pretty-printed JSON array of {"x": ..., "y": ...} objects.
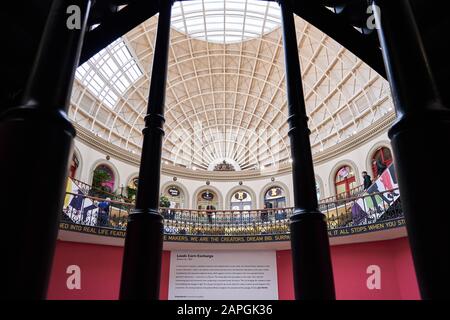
[
  {"x": 225, "y": 21},
  {"x": 226, "y": 99}
]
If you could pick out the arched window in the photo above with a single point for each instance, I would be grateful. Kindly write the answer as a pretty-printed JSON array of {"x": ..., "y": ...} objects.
[
  {"x": 381, "y": 158},
  {"x": 103, "y": 178},
  {"x": 207, "y": 200},
  {"x": 241, "y": 200},
  {"x": 345, "y": 181},
  {"x": 74, "y": 166},
  {"x": 275, "y": 197},
  {"x": 176, "y": 196}
]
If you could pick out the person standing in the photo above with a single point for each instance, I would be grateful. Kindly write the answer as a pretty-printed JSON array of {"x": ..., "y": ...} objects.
[
  {"x": 380, "y": 167},
  {"x": 171, "y": 210},
  {"x": 265, "y": 212},
  {"x": 209, "y": 213},
  {"x": 367, "y": 180}
]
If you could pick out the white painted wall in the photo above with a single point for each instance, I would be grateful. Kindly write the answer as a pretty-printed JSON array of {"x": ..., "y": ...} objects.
[{"x": 258, "y": 187}]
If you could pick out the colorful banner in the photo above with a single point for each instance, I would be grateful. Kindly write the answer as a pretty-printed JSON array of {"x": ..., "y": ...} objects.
[
  {"x": 77, "y": 208},
  {"x": 377, "y": 199}
]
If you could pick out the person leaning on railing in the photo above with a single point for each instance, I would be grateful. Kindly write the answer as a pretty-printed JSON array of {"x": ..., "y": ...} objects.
[
  {"x": 265, "y": 212},
  {"x": 209, "y": 213},
  {"x": 103, "y": 215}
]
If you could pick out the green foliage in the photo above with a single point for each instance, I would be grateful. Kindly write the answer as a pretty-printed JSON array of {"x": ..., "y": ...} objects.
[
  {"x": 99, "y": 177},
  {"x": 131, "y": 193},
  {"x": 164, "y": 202}
]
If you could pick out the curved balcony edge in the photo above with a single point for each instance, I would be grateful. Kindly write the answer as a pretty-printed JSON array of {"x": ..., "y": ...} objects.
[{"x": 378, "y": 231}]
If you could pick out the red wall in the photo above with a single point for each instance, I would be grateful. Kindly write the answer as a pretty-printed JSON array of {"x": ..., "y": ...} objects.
[
  {"x": 100, "y": 271},
  {"x": 101, "y": 266},
  {"x": 350, "y": 262}
]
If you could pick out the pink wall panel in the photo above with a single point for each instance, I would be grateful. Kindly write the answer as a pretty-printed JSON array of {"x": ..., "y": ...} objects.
[
  {"x": 350, "y": 264},
  {"x": 285, "y": 276},
  {"x": 406, "y": 274},
  {"x": 101, "y": 267},
  {"x": 164, "y": 287},
  {"x": 100, "y": 271}
]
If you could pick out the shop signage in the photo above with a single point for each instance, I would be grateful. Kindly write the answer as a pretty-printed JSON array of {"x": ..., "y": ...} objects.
[
  {"x": 174, "y": 191},
  {"x": 207, "y": 195},
  {"x": 274, "y": 192},
  {"x": 241, "y": 195}
]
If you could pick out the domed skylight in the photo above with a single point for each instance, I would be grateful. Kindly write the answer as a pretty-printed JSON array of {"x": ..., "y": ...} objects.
[
  {"x": 227, "y": 101},
  {"x": 225, "y": 21}
]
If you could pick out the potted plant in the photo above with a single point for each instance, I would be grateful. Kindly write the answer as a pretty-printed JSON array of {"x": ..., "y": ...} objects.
[
  {"x": 99, "y": 177},
  {"x": 164, "y": 202},
  {"x": 131, "y": 193}
]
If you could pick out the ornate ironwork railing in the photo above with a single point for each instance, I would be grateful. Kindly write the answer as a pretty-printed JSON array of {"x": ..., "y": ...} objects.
[
  {"x": 364, "y": 210},
  {"x": 355, "y": 192},
  {"x": 99, "y": 193}
]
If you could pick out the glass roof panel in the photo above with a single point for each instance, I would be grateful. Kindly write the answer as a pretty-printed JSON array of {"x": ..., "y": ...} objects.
[
  {"x": 219, "y": 20},
  {"x": 110, "y": 72}
]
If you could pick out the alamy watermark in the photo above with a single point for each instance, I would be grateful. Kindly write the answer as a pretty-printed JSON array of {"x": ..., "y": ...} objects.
[
  {"x": 374, "y": 11},
  {"x": 73, "y": 22},
  {"x": 374, "y": 280},
  {"x": 73, "y": 282}
]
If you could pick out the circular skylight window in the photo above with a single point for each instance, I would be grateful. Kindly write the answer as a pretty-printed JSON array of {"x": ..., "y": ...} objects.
[{"x": 225, "y": 21}]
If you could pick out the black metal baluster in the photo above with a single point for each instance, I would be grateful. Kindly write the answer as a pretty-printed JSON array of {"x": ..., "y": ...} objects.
[
  {"x": 422, "y": 127},
  {"x": 36, "y": 145},
  {"x": 313, "y": 275},
  {"x": 141, "y": 267}
]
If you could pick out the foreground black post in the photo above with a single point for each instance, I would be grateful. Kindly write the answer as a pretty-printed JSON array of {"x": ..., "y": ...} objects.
[
  {"x": 313, "y": 274},
  {"x": 36, "y": 141},
  {"x": 422, "y": 127},
  {"x": 141, "y": 268}
]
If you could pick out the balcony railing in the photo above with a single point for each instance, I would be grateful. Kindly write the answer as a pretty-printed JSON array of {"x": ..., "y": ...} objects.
[
  {"x": 355, "y": 192},
  {"x": 99, "y": 193},
  {"x": 358, "y": 211}
]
